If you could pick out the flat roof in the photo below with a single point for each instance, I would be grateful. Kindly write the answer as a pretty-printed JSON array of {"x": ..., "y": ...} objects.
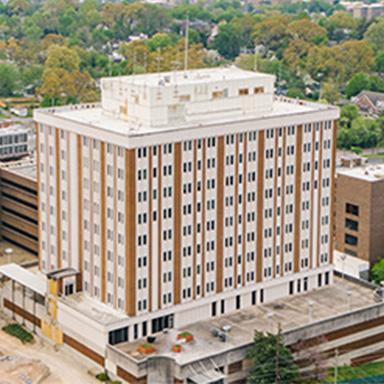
[
  {"x": 28, "y": 170},
  {"x": 93, "y": 116},
  {"x": 34, "y": 281},
  {"x": 195, "y": 76},
  {"x": 92, "y": 308},
  {"x": 369, "y": 173},
  {"x": 290, "y": 312}
]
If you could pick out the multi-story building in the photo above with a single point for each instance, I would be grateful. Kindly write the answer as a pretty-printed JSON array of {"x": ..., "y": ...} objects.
[
  {"x": 187, "y": 194},
  {"x": 18, "y": 205},
  {"x": 363, "y": 10},
  {"x": 359, "y": 208},
  {"x": 15, "y": 142}
]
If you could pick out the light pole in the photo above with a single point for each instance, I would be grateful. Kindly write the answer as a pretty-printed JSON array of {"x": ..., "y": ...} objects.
[
  {"x": 8, "y": 252},
  {"x": 310, "y": 310},
  {"x": 349, "y": 295},
  {"x": 343, "y": 257},
  {"x": 270, "y": 321}
]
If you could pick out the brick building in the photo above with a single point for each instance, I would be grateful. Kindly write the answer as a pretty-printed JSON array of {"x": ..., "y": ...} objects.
[{"x": 359, "y": 224}]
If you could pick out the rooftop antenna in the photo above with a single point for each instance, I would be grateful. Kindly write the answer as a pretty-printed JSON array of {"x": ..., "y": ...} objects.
[{"x": 186, "y": 43}]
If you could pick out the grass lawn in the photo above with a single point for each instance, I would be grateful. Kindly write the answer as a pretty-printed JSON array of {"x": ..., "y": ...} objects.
[
  {"x": 365, "y": 370},
  {"x": 18, "y": 331},
  {"x": 378, "y": 155}
]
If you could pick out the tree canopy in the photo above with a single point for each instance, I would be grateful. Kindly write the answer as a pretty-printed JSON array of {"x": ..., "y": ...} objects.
[{"x": 271, "y": 360}]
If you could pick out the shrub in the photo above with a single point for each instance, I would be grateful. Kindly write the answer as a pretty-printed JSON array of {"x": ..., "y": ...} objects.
[
  {"x": 102, "y": 376},
  {"x": 177, "y": 348},
  {"x": 18, "y": 331},
  {"x": 146, "y": 348},
  {"x": 185, "y": 335}
]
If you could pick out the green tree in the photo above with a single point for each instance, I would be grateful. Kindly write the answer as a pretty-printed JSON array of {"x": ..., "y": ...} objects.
[
  {"x": 330, "y": 92},
  {"x": 307, "y": 30},
  {"x": 271, "y": 359},
  {"x": 348, "y": 113},
  {"x": 62, "y": 57},
  {"x": 361, "y": 132},
  {"x": 375, "y": 35},
  {"x": 31, "y": 76},
  {"x": 377, "y": 272},
  {"x": 227, "y": 41},
  {"x": 379, "y": 62},
  {"x": 9, "y": 76},
  {"x": 359, "y": 82},
  {"x": 161, "y": 40},
  {"x": 356, "y": 56},
  {"x": 340, "y": 26},
  {"x": 272, "y": 33}
]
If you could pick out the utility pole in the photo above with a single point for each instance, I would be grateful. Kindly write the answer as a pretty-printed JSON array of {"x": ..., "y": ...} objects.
[
  {"x": 277, "y": 367},
  {"x": 336, "y": 366},
  {"x": 186, "y": 43}
]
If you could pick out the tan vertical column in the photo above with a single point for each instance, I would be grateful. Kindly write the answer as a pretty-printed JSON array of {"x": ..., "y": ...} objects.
[
  {"x": 282, "y": 209},
  {"x": 58, "y": 197},
  {"x": 150, "y": 204},
  {"x": 194, "y": 220},
  {"x": 159, "y": 228},
  {"x": 313, "y": 146},
  {"x": 219, "y": 214},
  {"x": 203, "y": 226},
  {"x": 103, "y": 225},
  {"x": 177, "y": 223},
  {"x": 81, "y": 213},
  {"x": 244, "y": 220},
  {"x": 37, "y": 126},
  {"x": 319, "y": 194},
  {"x": 235, "y": 219},
  {"x": 298, "y": 189},
  {"x": 69, "y": 198},
  {"x": 130, "y": 229},
  {"x": 276, "y": 162},
  {"x": 115, "y": 226},
  {"x": 332, "y": 194},
  {"x": 260, "y": 206},
  {"x": 47, "y": 199},
  {"x": 92, "y": 276}
]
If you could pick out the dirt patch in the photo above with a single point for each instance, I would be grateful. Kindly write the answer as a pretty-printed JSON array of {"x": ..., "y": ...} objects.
[
  {"x": 20, "y": 370},
  {"x": 40, "y": 363}
]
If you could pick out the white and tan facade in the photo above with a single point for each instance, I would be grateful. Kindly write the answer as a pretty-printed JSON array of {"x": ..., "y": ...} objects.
[{"x": 187, "y": 194}]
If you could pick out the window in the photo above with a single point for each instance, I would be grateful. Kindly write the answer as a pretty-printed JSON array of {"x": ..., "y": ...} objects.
[
  {"x": 291, "y": 288},
  {"x": 243, "y": 91},
  {"x": 238, "y": 303},
  {"x": 352, "y": 224},
  {"x": 118, "y": 336},
  {"x": 258, "y": 90},
  {"x": 253, "y": 297},
  {"x": 213, "y": 309},
  {"x": 219, "y": 94},
  {"x": 222, "y": 306},
  {"x": 351, "y": 240},
  {"x": 261, "y": 295},
  {"x": 352, "y": 209},
  {"x": 160, "y": 323}
]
